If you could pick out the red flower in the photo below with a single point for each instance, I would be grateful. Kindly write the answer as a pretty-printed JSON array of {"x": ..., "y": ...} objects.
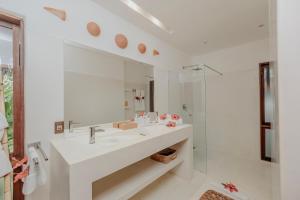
[
  {"x": 175, "y": 117},
  {"x": 21, "y": 175},
  {"x": 142, "y": 114},
  {"x": 163, "y": 116},
  {"x": 230, "y": 187},
  {"x": 171, "y": 124},
  {"x": 18, "y": 163}
]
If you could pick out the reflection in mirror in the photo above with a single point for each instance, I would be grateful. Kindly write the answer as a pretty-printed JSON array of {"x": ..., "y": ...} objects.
[{"x": 101, "y": 88}]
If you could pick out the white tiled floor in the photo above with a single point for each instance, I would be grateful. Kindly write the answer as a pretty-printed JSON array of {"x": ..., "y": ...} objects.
[
  {"x": 171, "y": 187},
  {"x": 252, "y": 178}
]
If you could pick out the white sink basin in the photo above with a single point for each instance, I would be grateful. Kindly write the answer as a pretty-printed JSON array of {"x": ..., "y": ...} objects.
[
  {"x": 106, "y": 139},
  {"x": 79, "y": 130},
  {"x": 85, "y": 130},
  {"x": 151, "y": 129}
]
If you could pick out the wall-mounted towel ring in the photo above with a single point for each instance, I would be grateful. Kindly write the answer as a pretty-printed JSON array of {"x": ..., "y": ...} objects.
[{"x": 38, "y": 146}]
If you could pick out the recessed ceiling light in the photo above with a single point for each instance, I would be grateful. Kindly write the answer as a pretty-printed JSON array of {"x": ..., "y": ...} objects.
[{"x": 132, "y": 5}]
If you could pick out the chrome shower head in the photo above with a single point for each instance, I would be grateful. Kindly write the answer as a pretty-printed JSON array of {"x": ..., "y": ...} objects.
[
  {"x": 192, "y": 67},
  {"x": 197, "y": 69},
  {"x": 201, "y": 67}
]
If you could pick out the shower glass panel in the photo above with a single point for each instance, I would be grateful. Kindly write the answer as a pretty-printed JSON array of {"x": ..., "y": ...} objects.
[{"x": 187, "y": 97}]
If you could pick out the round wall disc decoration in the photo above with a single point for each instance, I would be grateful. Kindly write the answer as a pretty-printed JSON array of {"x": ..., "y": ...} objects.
[
  {"x": 121, "y": 41},
  {"x": 142, "y": 48},
  {"x": 93, "y": 29}
]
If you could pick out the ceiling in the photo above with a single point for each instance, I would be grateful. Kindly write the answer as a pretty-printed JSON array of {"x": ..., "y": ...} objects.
[{"x": 200, "y": 26}]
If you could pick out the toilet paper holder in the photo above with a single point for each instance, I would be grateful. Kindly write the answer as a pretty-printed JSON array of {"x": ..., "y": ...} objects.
[{"x": 38, "y": 146}]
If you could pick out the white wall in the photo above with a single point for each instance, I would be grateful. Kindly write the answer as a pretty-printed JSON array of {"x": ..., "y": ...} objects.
[
  {"x": 94, "y": 86},
  {"x": 233, "y": 100},
  {"x": 275, "y": 130},
  {"x": 136, "y": 72},
  {"x": 288, "y": 31},
  {"x": 44, "y": 36},
  {"x": 161, "y": 85}
]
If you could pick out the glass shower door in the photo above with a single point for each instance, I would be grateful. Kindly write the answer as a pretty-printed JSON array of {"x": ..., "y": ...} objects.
[{"x": 187, "y": 97}]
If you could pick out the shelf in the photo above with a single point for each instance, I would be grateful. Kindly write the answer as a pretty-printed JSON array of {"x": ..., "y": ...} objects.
[{"x": 127, "y": 182}]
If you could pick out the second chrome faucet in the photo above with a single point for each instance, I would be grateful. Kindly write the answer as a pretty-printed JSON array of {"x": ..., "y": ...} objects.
[
  {"x": 93, "y": 131},
  {"x": 71, "y": 124}
]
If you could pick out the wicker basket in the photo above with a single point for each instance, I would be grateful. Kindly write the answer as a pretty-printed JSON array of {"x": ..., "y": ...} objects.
[{"x": 165, "y": 156}]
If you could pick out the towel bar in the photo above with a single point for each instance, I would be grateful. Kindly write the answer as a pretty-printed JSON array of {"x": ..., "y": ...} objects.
[{"x": 38, "y": 146}]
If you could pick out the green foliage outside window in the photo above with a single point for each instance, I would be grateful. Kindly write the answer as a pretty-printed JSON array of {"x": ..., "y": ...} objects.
[{"x": 8, "y": 100}]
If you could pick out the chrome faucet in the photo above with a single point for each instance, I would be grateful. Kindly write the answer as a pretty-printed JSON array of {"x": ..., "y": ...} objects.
[
  {"x": 71, "y": 123},
  {"x": 93, "y": 132}
]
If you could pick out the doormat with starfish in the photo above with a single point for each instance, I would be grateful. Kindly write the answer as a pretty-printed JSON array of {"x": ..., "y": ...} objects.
[{"x": 213, "y": 195}]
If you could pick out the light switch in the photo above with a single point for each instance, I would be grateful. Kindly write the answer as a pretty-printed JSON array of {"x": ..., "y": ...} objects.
[{"x": 59, "y": 127}]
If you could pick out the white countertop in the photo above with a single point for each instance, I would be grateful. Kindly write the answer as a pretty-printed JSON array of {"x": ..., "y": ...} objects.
[{"x": 75, "y": 152}]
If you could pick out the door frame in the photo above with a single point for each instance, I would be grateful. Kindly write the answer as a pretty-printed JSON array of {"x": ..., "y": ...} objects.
[
  {"x": 263, "y": 124},
  {"x": 17, "y": 25}
]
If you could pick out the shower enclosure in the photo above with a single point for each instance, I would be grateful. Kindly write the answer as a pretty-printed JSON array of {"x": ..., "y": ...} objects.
[
  {"x": 224, "y": 118},
  {"x": 187, "y": 97}
]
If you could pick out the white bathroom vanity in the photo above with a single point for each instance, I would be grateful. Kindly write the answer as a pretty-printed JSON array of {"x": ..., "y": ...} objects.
[{"x": 118, "y": 165}]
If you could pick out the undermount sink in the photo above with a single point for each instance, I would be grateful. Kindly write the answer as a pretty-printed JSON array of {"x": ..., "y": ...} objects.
[
  {"x": 85, "y": 130},
  {"x": 79, "y": 130},
  {"x": 106, "y": 139},
  {"x": 146, "y": 130}
]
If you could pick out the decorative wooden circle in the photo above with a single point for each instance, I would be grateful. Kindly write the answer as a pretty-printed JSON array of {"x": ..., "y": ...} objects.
[
  {"x": 142, "y": 48},
  {"x": 93, "y": 29},
  {"x": 155, "y": 52},
  {"x": 121, "y": 41}
]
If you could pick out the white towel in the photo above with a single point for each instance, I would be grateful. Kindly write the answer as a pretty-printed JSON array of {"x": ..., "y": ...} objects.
[
  {"x": 37, "y": 174},
  {"x": 4, "y": 160}
]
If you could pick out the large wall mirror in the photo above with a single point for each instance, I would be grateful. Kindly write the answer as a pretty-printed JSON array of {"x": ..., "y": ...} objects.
[{"x": 101, "y": 88}]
